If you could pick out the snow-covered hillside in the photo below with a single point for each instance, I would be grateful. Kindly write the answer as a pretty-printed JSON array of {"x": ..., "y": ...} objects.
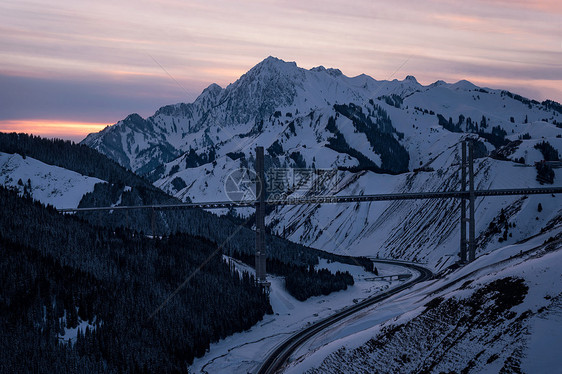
[
  {"x": 425, "y": 230},
  {"x": 59, "y": 187},
  {"x": 380, "y": 136},
  {"x": 244, "y": 352},
  {"x": 499, "y": 314}
]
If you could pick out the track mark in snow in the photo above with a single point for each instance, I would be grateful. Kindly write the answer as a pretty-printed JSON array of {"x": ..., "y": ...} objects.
[{"x": 240, "y": 346}]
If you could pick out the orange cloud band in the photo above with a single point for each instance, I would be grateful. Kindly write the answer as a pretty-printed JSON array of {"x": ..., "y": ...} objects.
[{"x": 52, "y": 128}]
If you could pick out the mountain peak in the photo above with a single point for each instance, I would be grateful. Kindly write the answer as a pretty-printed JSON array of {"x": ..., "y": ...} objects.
[
  {"x": 210, "y": 93},
  {"x": 274, "y": 63},
  {"x": 331, "y": 71},
  {"x": 318, "y": 69},
  {"x": 213, "y": 88},
  {"x": 270, "y": 84},
  {"x": 411, "y": 78},
  {"x": 272, "y": 60},
  {"x": 438, "y": 83},
  {"x": 334, "y": 72},
  {"x": 464, "y": 84},
  {"x": 272, "y": 70},
  {"x": 134, "y": 118}
]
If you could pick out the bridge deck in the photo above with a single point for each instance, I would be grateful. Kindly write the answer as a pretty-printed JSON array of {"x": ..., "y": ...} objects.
[{"x": 333, "y": 199}]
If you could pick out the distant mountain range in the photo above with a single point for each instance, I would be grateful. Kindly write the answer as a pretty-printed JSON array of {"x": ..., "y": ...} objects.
[{"x": 381, "y": 136}]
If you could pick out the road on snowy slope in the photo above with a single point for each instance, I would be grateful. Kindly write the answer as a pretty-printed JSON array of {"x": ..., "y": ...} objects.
[{"x": 277, "y": 359}]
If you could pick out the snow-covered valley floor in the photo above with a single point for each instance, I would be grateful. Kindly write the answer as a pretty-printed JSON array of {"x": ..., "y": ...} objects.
[
  {"x": 500, "y": 313},
  {"x": 244, "y": 352}
]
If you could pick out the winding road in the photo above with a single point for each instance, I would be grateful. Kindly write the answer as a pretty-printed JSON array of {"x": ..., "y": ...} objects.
[{"x": 277, "y": 359}]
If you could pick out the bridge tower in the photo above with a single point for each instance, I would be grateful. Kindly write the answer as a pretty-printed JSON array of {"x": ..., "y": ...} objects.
[
  {"x": 261, "y": 276},
  {"x": 471, "y": 198},
  {"x": 467, "y": 247},
  {"x": 462, "y": 253}
]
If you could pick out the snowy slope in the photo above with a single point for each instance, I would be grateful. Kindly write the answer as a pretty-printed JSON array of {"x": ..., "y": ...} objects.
[
  {"x": 425, "y": 231},
  {"x": 501, "y": 313},
  {"x": 244, "y": 352},
  {"x": 59, "y": 187},
  {"x": 361, "y": 127}
]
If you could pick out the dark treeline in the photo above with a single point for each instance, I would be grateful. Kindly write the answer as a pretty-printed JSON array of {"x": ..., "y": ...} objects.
[
  {"x": 224, "y": 231},
  {"x": 496, "y": 136},
  {"x": 303, "y": 282},
  {"x": 230, "y": 233},
  {"x": 549, "y": 153},
  {"x": 364, "y": 262},
  {"x": 338, "y": 143},
  {"x": 381, "y": 134},
  {"x": 393, "y": 100},
  {"x": 86, "y": 161},
  {"x": 545, "y": 173},
  {"x": 57, "y": 271}
]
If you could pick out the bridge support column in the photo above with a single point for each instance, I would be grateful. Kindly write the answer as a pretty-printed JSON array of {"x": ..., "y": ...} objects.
[
  {"x": 471, "y": 198},
  {"x": 153, "y": 222},
  {"x": 462, "y": 253},
  {"x": 261, "y": 276}
]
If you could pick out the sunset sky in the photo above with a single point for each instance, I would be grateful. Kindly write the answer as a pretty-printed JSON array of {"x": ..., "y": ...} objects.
[{"x": 68, "y": 68}]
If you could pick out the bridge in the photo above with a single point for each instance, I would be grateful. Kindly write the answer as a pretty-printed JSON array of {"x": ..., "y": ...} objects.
[
  {"x": 390, "y": 278},
  {"x": 467, "y": 245},
  {"x": 327, "y": 199}
]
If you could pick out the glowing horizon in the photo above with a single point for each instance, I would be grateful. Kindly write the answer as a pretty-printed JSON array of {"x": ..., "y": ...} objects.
[{"x": 75, "y": 131}]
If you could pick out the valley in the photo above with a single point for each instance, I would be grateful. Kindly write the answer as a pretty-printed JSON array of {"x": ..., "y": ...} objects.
[{"x": 187, "y": 276}]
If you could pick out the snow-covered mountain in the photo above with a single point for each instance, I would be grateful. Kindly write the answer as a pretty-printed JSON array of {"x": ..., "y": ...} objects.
[
  {"x": 53, "y": 185},
  {"x": 379, "y": 136}
]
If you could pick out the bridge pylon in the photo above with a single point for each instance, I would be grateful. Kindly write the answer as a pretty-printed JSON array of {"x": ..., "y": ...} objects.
[
  {"x": 462, "y": 252},
  {"x": 467, "y": 247},
  {"x": 471, "y": 198},
  {"x": 261, "y": 276}
]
